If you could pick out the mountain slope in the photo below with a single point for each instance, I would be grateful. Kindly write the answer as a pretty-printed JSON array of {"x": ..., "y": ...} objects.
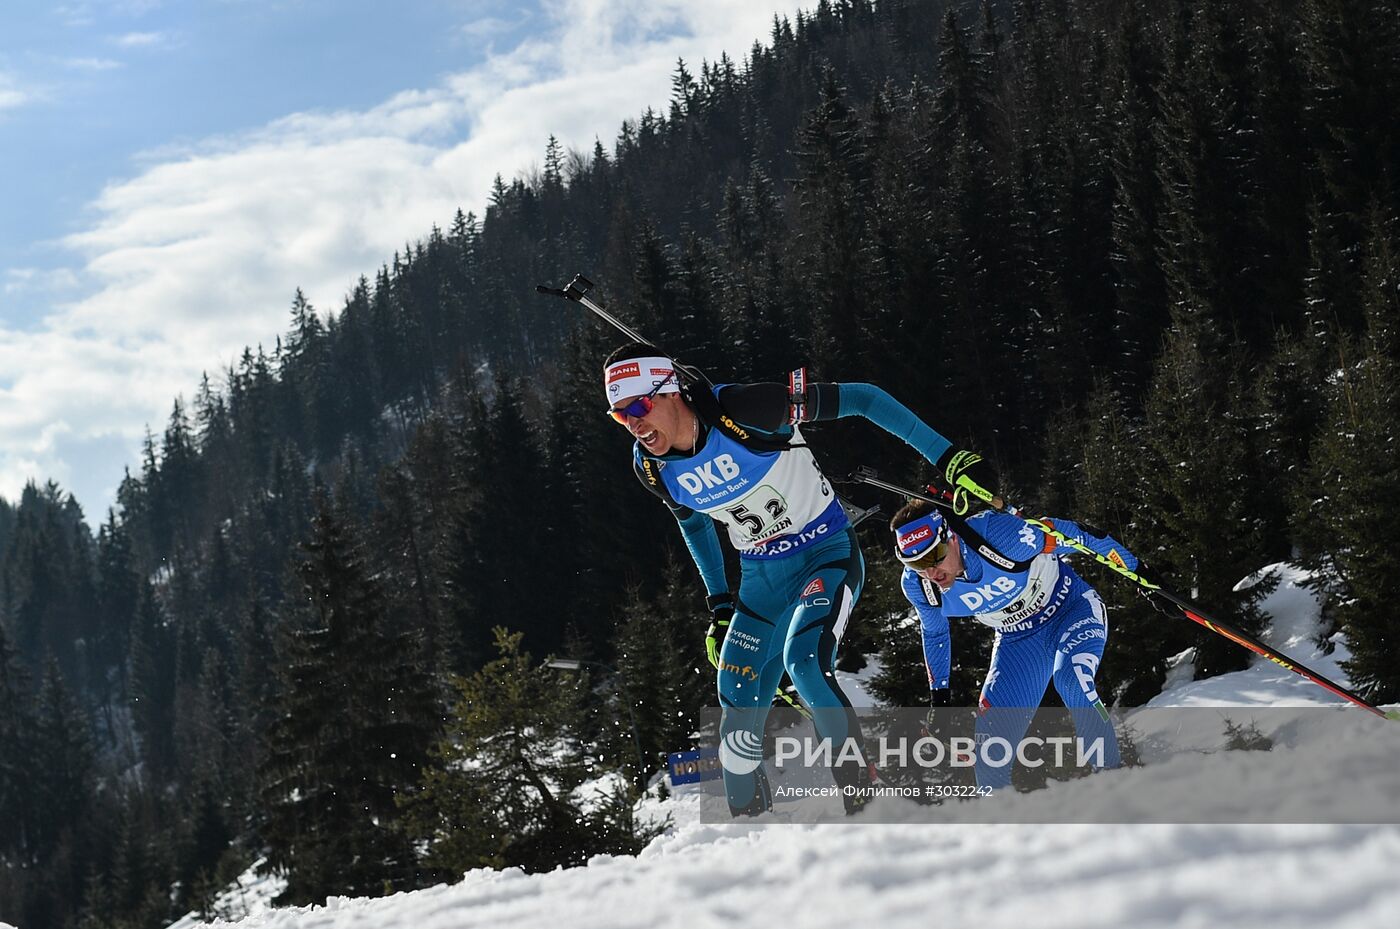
[{"x": 944, "y": 873}]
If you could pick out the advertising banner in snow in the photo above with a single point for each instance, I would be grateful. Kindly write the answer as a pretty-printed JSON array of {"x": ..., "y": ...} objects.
[
  {"x": 692, "y": 767},
  {"x": 1227, "y": 764}
]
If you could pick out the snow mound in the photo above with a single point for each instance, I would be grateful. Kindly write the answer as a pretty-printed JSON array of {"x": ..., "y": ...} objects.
[
  {"x": 950, "y": 874},
  {"x": 899, "y": 876},
  {"x": 251, "y": 894},
  {"x": 1294, "y": 626}
]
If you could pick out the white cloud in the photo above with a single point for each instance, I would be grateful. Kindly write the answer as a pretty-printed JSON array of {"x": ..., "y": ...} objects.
[
  {"x": 12, "y": 95},
  {"x": 46, "y": 280},
  {"x": 92, "y": 64},
  {"x": 488, "y": 26},
  {"x": 86, "y": 12},
  {"x": 198, "y": 255},
  {"x": 74, "y": 14},
  {"x": 141, "y": 39}
]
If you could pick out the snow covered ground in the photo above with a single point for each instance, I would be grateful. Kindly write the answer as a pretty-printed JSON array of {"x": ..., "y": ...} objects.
[
  {"x": 1293, "y": 626},
  {"x": 952, "y": 874}
]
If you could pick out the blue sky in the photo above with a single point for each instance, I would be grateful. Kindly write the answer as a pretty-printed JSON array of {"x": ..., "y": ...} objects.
[
  {"x": 171, "y": 171},
  {"x": 111, "y": 86}
]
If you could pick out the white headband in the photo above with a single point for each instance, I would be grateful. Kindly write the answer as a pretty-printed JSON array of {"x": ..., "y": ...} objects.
[{"x": 636, "y": 377}]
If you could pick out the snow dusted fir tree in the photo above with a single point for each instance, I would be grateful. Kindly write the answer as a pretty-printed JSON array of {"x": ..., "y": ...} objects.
[
  {"x": 503, "y": 790},
  {"x": 660, "y": 679},
  {"x": 356, "y": 717},
  {"x": 1356, "y": 466}
]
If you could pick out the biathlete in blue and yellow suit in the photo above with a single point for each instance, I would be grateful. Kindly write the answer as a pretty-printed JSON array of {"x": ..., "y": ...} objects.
[
  {"x": 801, "y": 569},
  {"x": 1050, "y": 625}
]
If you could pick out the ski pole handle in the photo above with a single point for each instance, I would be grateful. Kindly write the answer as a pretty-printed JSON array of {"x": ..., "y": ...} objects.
[
  {"x": 579, "y": 286},
  {"x": 577, "y": 291}
]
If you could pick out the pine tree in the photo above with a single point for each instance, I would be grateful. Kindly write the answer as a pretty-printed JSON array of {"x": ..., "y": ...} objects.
[
  {"x": 1291, "y": 409},
  {"x": 1351, "y": 67},
  {"x": 17, "y": 803},
  {"x": 152, "y": 690},
  {"x": 663, "y": 679},
  {"x": 403, "y": 531},
  {"x": 118, "y": 594},
  {"x": 496, "y": 527},
  {"x": 355, "y": 718},
  {"x": 682, "y": 95},
  {"x": 1355, "y": 478},
  {"x": 1202, "y": 528},
  {"x": 1111, "y": 477},
  {"x": 831, "y": 198},
  {"x": 1141, "y": 302},
  {"x": 181, "y": 483},
  {"x": 502, "y": 791},
  {"x": 63, "y": 750}
]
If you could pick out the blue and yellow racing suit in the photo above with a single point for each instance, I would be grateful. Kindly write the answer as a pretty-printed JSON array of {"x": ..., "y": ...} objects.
[{"x": 801, "y": 569}]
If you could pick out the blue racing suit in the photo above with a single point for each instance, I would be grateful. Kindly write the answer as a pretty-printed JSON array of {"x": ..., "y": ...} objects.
[
  {"x": 801, "y": 569},
  {"x": 1050, "y": 624}
]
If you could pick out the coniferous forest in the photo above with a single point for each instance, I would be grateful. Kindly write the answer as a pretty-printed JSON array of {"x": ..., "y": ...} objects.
[{"x": 1144, "y": 256}]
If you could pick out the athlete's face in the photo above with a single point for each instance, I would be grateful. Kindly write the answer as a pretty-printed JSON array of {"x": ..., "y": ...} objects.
[
  {"x": 944, "y": 572},
  {"x": 670, "y": 426}
]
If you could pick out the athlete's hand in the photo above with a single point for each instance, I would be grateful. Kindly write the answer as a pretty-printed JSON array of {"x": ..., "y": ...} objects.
[
  {"x": 938, "y": 699},
  {"x": 1147, "y": 574},
  {"x": 1160, "y": 604},
  {"x": 722, "y": 610},
  {"x": 971, "y": 478}
]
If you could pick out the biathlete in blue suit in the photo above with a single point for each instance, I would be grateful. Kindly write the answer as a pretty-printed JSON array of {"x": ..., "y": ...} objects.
[
  {"x": 1050, "y": 625},
  {"x": 735, "y": 455}
]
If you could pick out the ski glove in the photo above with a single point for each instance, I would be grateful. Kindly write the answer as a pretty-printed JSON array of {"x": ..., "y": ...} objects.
[
  {"x": 722, "y": 610},
  {"x": 1159, "y": 604},
  {"x": 971, "y": 477},
  {"x": 1147, "y": 574},
  {"x": 938, "y": 699}
]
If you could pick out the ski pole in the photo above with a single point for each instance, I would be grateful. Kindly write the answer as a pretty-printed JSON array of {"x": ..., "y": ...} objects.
[
  {"x": 787, "y": 698},
  {"x": 867, "y": 475},
  {"x": 1193, "y": 612},
  {"x": 577, "y": 291}
]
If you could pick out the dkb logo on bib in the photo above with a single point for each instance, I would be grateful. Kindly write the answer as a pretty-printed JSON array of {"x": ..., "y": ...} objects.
[
  {"x": 705, "y": 476},
  {"x": 973, "y": 599}
]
